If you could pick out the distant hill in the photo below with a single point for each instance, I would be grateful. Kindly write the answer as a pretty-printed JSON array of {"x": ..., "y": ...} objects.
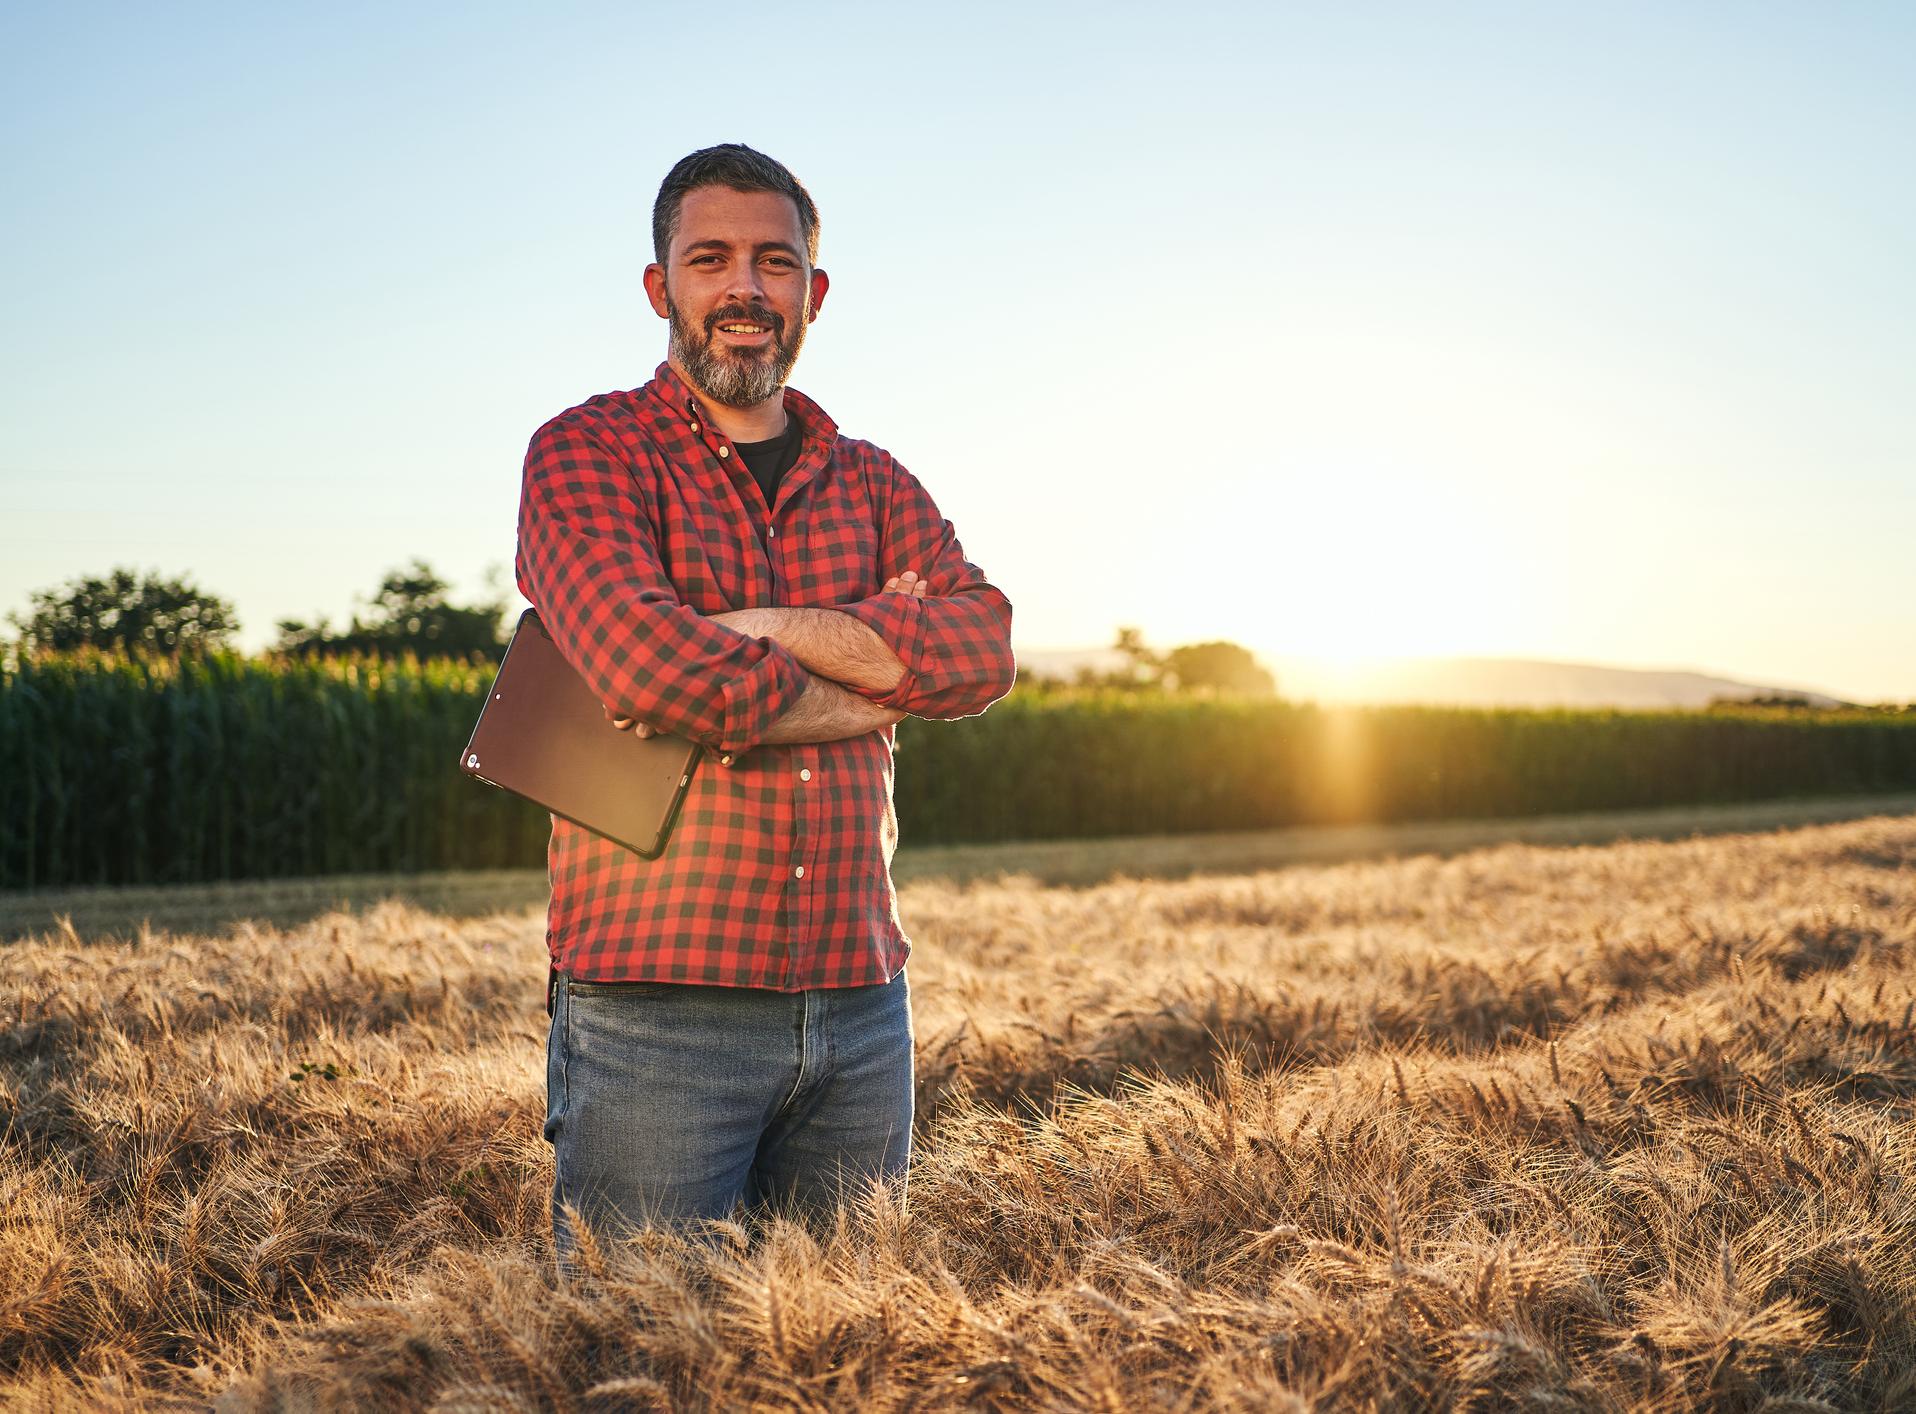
[{"x": 1467, "y": 682}]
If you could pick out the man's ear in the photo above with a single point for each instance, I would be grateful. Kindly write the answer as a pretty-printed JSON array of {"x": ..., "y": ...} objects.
[
  {"x": 655, "y": 289},
  {"x": 821, "y": 282}
]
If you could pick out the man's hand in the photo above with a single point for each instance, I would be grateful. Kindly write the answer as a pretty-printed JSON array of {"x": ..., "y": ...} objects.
[
  {"x": 906, "y": 583},
  {"x": 629, "y": 724}
]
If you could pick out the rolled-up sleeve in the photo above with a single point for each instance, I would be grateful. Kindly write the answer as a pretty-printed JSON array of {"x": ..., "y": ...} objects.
[
  {"x": 588, "y": 561},
  {"x": 955, "y": 641}
]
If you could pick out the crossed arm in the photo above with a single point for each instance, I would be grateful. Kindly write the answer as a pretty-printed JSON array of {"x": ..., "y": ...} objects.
[
  {"x": 587, "y": 558},
  {"x": 835, "y": 649}
]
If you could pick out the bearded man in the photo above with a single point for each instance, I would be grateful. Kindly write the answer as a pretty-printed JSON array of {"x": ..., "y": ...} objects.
[{"x": 730, "y": 1022}]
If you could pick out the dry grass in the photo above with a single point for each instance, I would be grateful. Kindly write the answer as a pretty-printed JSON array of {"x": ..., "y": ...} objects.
[{"x": 1618, "y": 1127}]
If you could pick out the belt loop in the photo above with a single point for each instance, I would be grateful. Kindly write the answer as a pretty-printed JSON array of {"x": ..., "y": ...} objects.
[{"x": 552, "y": 985}]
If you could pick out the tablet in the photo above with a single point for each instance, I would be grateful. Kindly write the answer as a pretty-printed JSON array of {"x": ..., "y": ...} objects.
[{"x": 543, "y": 734}]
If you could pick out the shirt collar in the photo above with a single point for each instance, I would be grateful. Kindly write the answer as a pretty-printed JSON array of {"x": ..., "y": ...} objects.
[{"x": 815, "y": 424}]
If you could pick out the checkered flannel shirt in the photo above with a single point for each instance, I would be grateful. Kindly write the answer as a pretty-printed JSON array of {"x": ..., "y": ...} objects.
[{"x": 637, "y": 519}]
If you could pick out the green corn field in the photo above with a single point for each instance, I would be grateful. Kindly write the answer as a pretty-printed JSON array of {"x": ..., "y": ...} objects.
[
  {"x": 1068, "y": 765},
  {"x": 117, "y": 770},
  {"x": 120, "y": 770}
]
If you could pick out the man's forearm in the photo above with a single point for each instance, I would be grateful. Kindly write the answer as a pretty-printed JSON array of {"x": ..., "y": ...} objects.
[
  {"x": 827, "y": 712},
  {"x": 841, "y": 648},
  {"x": 825, "y": 642}
]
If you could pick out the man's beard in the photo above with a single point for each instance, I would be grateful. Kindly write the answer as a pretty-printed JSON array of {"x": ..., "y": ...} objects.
[{"x": 736, "y": 378}]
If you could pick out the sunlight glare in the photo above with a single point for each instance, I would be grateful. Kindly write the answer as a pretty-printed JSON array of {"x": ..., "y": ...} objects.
[{"x": 1370, "y": 564}]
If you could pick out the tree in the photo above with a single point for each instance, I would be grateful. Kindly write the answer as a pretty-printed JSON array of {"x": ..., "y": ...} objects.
[
  {"x": 409, "y": 614},
  {"x": 1144, "y": 667},
  {"x": 1142, "y": 671},
  {"x": 1218, "y": 667},
  {"x": 130, "y": 612}
]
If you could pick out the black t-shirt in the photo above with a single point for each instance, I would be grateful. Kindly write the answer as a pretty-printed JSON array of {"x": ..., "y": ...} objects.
[{"x": 769, "y": 461}]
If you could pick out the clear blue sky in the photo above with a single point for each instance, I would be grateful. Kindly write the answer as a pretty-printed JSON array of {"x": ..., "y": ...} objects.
[{"x": 1566, "y": 331}]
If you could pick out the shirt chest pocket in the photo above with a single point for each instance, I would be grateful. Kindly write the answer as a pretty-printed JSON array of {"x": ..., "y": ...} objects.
[
  {"x": 830, "y": 560},
  {"x": 714, "y": 563}
]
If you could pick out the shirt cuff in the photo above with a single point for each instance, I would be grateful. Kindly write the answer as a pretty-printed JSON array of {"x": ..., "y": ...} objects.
[
  {"x": 898, "y": 619},
  {"x": 756, "y": 699}
]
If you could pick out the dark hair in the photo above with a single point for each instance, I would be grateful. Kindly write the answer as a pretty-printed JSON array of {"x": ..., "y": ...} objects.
[{"x": 734, "y": 165}]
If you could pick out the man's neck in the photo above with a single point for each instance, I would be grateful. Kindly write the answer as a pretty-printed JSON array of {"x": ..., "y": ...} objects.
[{"x": 760, "y": 422}]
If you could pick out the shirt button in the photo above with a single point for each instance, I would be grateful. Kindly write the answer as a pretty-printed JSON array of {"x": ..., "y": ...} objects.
[
  {"x": 726, "y": 759},
  {"x": 805, "y": 774},
  {"x": 695, "y": 427},
  {"x": 771, "y": 532},
  {"x": 800, "y": 871},
  {"x": 725, "y": 452}
]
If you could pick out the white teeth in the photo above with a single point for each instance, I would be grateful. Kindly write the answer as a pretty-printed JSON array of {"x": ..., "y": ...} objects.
[{"x": 743, "y": 328}]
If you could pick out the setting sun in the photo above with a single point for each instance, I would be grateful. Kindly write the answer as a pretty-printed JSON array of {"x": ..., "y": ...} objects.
[{"x": 1365, "y": 564}]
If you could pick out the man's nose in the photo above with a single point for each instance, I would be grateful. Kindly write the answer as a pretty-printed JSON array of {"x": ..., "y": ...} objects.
[{"x": 746, "y": 285}]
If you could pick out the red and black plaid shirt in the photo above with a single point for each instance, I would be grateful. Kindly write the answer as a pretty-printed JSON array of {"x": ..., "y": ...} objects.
[{"x": 636, "y": 520}]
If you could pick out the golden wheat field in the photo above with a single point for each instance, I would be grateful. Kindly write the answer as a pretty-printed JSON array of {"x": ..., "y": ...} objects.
[{"x": 1619, "y": 1127}]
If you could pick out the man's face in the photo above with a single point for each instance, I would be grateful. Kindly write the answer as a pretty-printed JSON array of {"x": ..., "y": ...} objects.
[{"x": 739, "y": 292}]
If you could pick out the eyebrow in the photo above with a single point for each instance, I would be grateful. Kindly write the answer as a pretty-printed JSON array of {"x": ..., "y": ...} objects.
[{"x": 713, "y": 243}]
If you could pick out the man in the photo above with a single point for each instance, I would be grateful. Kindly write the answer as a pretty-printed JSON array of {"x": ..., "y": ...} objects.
[{"x": 730, "y": 1021}]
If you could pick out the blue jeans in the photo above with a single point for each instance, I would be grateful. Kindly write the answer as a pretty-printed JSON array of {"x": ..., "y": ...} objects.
[{"x": 668, "y": 1100}]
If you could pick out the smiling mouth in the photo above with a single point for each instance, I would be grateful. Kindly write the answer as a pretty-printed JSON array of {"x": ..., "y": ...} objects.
[{"x": 741, "y": 322}]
